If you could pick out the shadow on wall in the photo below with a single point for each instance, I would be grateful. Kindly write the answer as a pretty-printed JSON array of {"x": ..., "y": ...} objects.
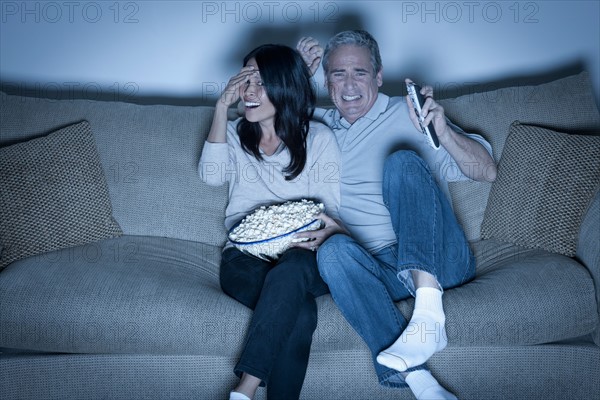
[
  {"x": 445, "y": 90},
  {"x": 288, "y": 34}
]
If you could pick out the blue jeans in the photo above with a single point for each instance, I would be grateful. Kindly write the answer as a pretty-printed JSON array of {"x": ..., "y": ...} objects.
[
  {"x": 365, "y": 286},
  {"x": 282, "y": 295}
]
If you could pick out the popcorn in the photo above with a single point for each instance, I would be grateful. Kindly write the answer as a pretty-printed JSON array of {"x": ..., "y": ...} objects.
[{"x": 268, "y": 231}]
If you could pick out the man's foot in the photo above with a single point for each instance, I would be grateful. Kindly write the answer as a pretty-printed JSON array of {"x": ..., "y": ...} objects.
[
  {"x": 424, "y": 335},
  {"x": 425, "y": 387}
]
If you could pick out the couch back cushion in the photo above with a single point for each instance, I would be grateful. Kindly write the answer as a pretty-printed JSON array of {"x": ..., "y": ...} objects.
[
  {"x": 565, "y": 105},
  {"x": 149, "y": 155}
]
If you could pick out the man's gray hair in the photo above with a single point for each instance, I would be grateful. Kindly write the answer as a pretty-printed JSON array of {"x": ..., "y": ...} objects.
[{"x": 358, "y": 38}]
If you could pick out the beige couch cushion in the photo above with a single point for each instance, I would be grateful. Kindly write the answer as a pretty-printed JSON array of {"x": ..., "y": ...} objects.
[
  {"x": 545, "y": 183},
  {"x": 53, "y": 194}
]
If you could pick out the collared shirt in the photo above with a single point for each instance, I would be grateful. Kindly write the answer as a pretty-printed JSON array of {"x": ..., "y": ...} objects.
[{"x": 364, "y": 146}]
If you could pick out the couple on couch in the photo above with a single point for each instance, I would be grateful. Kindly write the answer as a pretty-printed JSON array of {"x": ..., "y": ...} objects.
[{"x": 389, "y": 229}]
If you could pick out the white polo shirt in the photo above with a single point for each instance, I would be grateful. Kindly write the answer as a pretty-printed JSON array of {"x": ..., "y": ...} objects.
[{"x": 364, "y": 146}]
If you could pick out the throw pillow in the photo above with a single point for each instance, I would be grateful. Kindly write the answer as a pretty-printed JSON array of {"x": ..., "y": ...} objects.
[
  {"x": 53, "y": 194},
  {"x": 545, "y": 182}
]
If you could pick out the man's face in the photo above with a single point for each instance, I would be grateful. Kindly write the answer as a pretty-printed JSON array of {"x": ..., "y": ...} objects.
[{"x": 351, "y": 81}]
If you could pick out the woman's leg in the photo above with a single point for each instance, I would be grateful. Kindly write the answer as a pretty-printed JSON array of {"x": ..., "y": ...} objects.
[
  {"x": 289, "y": 370},
  {"x": 283, "y": 323},
  {"x": 280, "y": 333},
  {"x": 242, "y": 278}
]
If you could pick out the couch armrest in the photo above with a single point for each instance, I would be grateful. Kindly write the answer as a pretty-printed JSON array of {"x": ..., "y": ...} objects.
[{"x": 588, "y": 250}]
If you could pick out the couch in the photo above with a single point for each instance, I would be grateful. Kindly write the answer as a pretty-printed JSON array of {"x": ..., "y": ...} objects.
[{"x": 109, "y": 281}]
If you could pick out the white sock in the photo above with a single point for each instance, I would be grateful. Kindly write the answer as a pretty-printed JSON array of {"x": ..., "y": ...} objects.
[
  {"x": 424, "y": 335},
  {"x": 425, "y": 387},
  {"x": 238, "y": 396}
]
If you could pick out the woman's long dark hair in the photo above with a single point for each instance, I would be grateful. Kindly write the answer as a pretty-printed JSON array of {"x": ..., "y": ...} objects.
[{"x": 286, "y": 79}]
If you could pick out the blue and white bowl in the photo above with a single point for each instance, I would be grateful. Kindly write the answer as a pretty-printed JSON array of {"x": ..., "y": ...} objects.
[{"x": 271, "y": 248}]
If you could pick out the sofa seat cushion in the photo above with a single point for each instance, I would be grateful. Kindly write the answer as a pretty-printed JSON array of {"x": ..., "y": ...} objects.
[
  {"x": 520, "y": 297},
  {"x": 131, "y": 294},
  {"x": 149, "y": 295},
  {"x": 138, "y": 295}
]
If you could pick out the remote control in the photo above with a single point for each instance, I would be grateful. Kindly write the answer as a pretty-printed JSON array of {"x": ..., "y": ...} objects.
[{"x": 414, "y": 91}]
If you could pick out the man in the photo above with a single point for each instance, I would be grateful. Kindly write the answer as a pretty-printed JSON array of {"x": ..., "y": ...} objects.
[{"x": 403, "y": 236}]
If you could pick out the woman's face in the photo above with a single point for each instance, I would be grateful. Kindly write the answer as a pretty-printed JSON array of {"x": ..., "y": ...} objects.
[{"x": 257, "y": 106}]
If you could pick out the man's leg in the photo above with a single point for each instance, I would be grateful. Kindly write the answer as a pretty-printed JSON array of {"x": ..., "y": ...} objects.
[
  {"x": 433, "y": 253},
  {"x": 430, "y": 239},
  {"x": 365, "y": 291}
]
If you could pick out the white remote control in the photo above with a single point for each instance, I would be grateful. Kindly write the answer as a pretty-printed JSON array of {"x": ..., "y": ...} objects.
[{"x": 414, "y": 91}]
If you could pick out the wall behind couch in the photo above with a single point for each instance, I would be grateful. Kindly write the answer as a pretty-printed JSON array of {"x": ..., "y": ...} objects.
[{"x": 184, "y": 52}]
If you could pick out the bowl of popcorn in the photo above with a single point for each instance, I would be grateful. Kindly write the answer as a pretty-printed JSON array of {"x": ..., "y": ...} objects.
[{"x": 269, "y": 230}]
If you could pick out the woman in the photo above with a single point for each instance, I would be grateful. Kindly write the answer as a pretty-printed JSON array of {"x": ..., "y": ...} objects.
[{"x": 273, "y": 154}]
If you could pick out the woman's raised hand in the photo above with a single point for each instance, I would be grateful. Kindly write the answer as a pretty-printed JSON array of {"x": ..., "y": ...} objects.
[{"x": 231, "y": 93}]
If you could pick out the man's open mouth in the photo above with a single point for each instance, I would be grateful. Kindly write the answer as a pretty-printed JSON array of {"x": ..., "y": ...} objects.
[{"x": 351, "y": 98}]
